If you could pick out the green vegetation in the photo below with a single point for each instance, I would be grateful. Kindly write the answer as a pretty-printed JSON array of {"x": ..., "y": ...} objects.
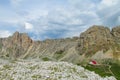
[
  {"x": 36, "y": 76},
  {"x": 0, "y": 46},
  {"x": 46, "y": 59},
  {"x": 7, "y": 55},
  {"x": 59, "y": 54},
  {"x": 55, "y": 69},
  {"x": 101, "y": 70},
  {"x": 116, "y": 70},
  {"x": 33, "y": 67},
  {"x": 111, "y": 69},
  {"x": 7, "y": 67}
]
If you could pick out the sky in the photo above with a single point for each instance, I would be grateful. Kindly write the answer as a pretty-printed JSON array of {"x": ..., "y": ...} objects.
[{"x": 51, "y": 19}]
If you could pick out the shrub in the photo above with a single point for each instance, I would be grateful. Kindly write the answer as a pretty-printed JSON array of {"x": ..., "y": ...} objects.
[{"x": 45, "y": 59}]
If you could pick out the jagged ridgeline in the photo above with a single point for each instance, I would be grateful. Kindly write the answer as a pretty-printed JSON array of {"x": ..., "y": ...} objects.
[{"x": 98, "y": 42}]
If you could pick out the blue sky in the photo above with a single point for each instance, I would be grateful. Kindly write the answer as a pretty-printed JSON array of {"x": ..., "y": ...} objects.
[{"x": 43, "y": 19}]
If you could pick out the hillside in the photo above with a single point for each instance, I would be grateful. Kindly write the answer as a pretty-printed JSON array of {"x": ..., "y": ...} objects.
[{"x": 98, "y": 43}]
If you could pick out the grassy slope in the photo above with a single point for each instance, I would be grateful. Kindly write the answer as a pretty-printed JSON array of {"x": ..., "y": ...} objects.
[{"x": 105, "y": 71}]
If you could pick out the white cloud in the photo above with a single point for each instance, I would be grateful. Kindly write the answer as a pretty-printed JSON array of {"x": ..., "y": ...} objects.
[
  {"x": 28, "y": 26},
  {"x": 35, "y": 14},
  {"x": 82, "y": 4},
  {"x": 4, "y": 34},
  {"x": 70, "y": 21},
  {"x": 108, "y": 11},
  {"x": 109, "y": 3},
  {"x": 16, "y": 2},
  {"x": 77, "y": 16}
]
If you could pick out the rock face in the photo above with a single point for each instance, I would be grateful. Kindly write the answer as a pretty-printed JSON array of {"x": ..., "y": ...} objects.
[
  {"x": 22, "y": 40},
  {"x": 96, "y": 39},
  {"x": 16, "y": 45},
  {"x": 116, "y": 34}
]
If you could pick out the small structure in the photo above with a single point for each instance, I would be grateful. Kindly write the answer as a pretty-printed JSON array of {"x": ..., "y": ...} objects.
[{"x": 93, "y": 62}]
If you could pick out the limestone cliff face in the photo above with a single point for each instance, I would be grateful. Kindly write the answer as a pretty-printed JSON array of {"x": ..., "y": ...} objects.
[
  {"x": 94, "y": 41},
  {"x": 100, "y": 39},
  {"x": 16, "y": 45},
  {"x": 116, "y": 34}
]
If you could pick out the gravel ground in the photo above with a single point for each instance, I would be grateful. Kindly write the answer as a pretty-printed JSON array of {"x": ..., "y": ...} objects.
[{"x": 36, "y": 70}]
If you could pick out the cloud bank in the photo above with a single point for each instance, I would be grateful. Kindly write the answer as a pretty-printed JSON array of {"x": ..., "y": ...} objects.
[{"x": 43, "y": 19}]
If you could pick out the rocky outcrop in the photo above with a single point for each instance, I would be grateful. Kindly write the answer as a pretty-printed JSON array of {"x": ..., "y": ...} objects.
[
  {"x": 116, "y": 34},
  {"x": 22, "y": 40},
  {"x": 94, "y": 39},
  {"x": 16, "y": 45},
  {"x": 100, "y": 38}
]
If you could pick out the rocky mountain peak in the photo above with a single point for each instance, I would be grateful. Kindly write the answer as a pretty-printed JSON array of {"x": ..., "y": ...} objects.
[
  {"x": 21, "y": 38},
  {"x": 16, "y": 33},
  {"x": 95, "y": 38},
  {"x": 16, "y": 45}
]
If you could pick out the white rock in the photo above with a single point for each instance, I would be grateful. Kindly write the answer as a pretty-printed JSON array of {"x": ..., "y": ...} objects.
[{"x": 34, "y": 70}]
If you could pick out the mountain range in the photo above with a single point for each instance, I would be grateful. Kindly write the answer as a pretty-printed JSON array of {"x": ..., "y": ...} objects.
[{"x": 97, "y": 42}]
